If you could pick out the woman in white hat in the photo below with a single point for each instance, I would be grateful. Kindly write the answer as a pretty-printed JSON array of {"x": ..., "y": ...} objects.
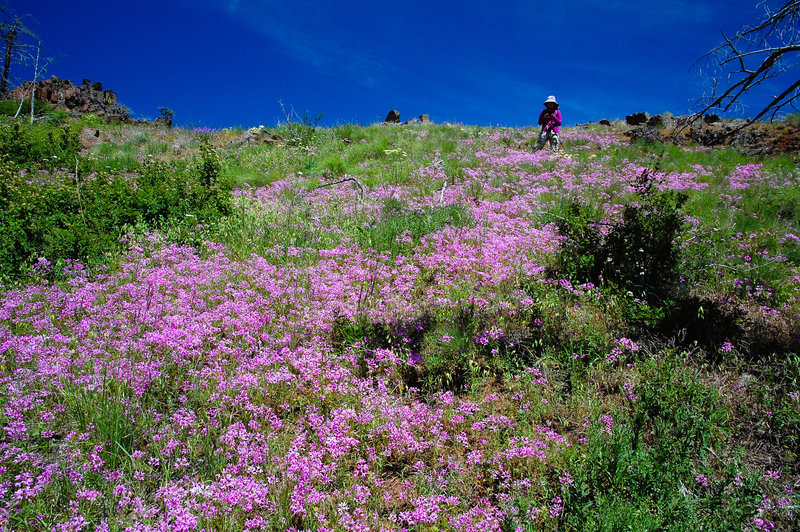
[{"x": 549, "y": 119}]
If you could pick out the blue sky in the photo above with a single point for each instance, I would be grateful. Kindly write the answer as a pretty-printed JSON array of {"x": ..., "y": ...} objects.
[{"x": 229, "y": 62}]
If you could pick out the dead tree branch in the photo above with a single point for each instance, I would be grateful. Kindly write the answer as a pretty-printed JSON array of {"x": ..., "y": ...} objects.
[{"x": 769, "y": 50}]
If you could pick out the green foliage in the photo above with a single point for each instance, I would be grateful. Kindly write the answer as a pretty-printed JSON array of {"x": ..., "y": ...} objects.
[
  {"x": 61, "y": 216},
  {"x": 398, "y": 229},
  {"x": 40, "y": 107},
  {"x": 351, "y": 133},
  {"x": 642, "y": 249},
  {"x": 107, "y": 413},
  {"x": 581, "y": 254},
  {"x": 41, "y": 145},
  {"x": 793, "y": 120},
  {"x": 646, "y": 467},
  {"x": 332, "y": 165},
  {"x": 638, "y": 255},
  {"x": 299, "y": 131}
]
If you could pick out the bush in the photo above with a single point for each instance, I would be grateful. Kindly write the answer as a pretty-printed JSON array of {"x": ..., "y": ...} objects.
[
  {"x": 301, "y": 132},
  {"x": 638, "y": 254},
  {"x": 41, "y": 145},
  {"x": 60, "y": 216},
  {"x": 641, "y": 254}
]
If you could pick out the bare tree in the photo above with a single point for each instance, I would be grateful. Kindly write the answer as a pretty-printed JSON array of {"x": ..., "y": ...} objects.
[
  {"x": 768, "y": 50},
  {"x": 39, "y": 67},
  {"x": 12, "y": 28}
]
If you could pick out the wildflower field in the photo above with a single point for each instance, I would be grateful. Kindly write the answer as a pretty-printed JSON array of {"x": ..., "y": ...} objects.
[{"x": 411, "y": 328}]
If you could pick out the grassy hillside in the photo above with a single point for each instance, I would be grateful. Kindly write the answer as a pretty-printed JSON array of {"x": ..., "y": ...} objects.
[{"x": 396, "y": 328}]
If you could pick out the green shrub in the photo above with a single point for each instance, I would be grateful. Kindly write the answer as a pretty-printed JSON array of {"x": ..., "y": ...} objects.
[
  {"x": 43, "y": 145},
  {"x": 299, "y": 131},
  {"x": 638, "y": 255},
  {"x": 638, "y": 468},
  {"x": 10, "y": 107},
  {"x": 61, "y": 216}
]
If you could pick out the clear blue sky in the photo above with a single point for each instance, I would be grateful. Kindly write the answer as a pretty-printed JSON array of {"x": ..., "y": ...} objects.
[{"x": 228, "y": 62}]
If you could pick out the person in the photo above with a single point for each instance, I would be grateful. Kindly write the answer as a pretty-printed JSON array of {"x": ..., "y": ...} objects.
[{"x": 549, "y": 119}]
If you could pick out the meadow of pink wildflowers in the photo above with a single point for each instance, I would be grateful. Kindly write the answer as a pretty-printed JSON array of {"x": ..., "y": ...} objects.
[{"x": 198, "y": 388}]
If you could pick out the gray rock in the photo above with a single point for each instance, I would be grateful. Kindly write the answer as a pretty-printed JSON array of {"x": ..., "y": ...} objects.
[
  {"x": 736, "y": 123},
  {"x": 661, "y": 121},
  {"x": 164, "y": 120},
  {"x": 421, "y": 119},
  {"x": 689, "y": 121},
  {"x": 256, "y": 136},
  {"x": 646, "y": 134},
  {"x": 750, "y": 142},
  {"x": 89, "y": 136}
]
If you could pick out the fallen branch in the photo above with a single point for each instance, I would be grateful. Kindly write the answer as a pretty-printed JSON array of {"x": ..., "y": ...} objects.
[{"x": 343, "y": 180}]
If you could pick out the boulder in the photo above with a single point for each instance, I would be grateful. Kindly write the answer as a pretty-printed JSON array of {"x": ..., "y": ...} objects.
[
  {"x": 689, "y": 121},
  {"x": 706, "y": 136},
  {"x": 751, "y": 142},
  {"x": 647, "y": 134},
  {"x": 89, "y": 136},
  {"x": 736, "y": 123},
  {"x": 257, "y": 136},
  {"x": 165, "y": 121},
  {"x": 421, "y": 119},
  {"x": 636, "y": 119},
  {"x": 661, "y": 121},
  {"x": 605, "y": 122},
  {"x": 393, "y": 117}
]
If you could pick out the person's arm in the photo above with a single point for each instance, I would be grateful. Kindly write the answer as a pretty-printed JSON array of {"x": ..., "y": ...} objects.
[
  {"x": 542, "y": 118},
  {"x": 557, "y": 117}
]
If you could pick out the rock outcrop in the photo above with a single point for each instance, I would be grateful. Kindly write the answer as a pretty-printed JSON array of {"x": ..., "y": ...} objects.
[
  {"x": 393, "y": 117},
  {"x": 751, "y": 138},
  {"x": 256, "y": 136},
  {"x": 421, "y": 119},
  {"x": 647, "y": 134},
  {"x": 636, "y": 119},
  {"x": 86, "y": 98}
]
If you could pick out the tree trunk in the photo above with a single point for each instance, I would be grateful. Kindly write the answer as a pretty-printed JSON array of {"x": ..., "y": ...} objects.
[
  {"x": 12, "y": 36},
  {"x": 35, "y": 77}
]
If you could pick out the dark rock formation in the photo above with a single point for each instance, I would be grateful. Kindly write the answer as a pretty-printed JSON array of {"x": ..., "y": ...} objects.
[
  {"x": 636, "y": 119},
  {"x": 87, "y": 98},
  {"x": 605, "y": 122},
  {"x": 393, "y": 117},
  {"x": 751, "y": 142}
]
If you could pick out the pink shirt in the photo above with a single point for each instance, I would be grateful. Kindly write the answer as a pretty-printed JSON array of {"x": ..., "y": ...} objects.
[{"x": 548, "y": 121}]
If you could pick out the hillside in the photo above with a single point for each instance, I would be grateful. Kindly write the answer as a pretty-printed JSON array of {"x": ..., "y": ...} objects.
[{"x": 422, "y": 327}]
